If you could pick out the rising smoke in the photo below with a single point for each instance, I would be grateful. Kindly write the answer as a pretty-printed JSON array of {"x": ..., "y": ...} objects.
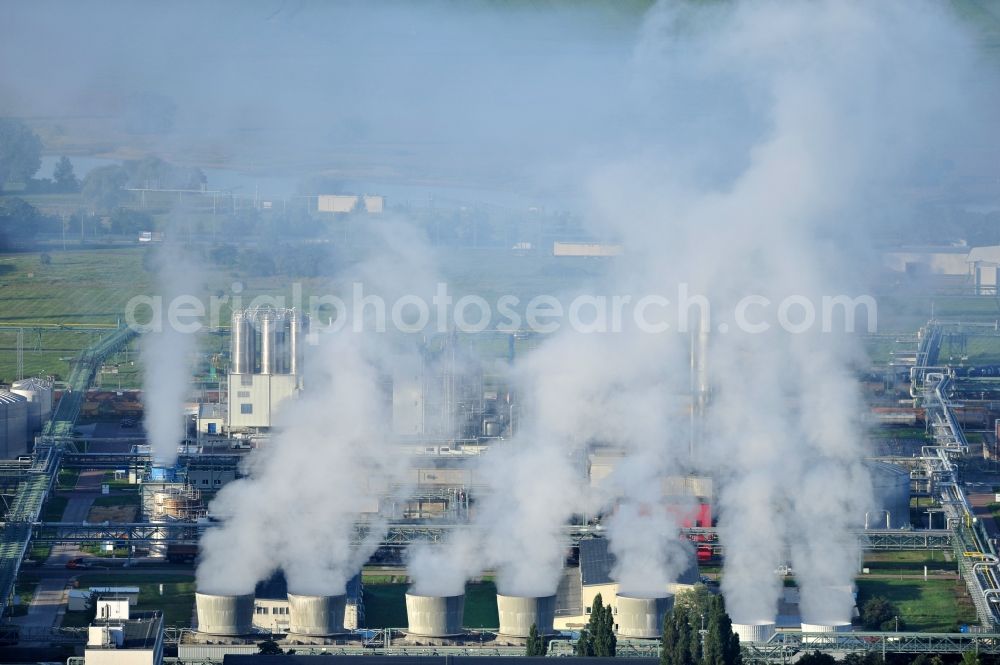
[
  {"x": 756, "y": 147},
  {"x": 167, "y": 354}
]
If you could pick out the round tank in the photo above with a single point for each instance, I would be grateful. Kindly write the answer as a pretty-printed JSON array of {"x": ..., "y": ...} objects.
[
  {"x": 434, "y": 616},
  {"x": 269, "y": 326},
  {"x": 13, "y": 425},
  {"x": 295, "y": 332},
  {"x": 641, "y": 616},
  {"x": 316, "y": 616},
  {"x": 829, "y": 628},
  {"x": 891, "y": 491},
  {"x": 243, "y": 348},
  {"x": 517, "y": 613},
  {"x": 757, "y": 631},
  {"x": 224, "y": 615},
  {"x": 38, "y": 392}
]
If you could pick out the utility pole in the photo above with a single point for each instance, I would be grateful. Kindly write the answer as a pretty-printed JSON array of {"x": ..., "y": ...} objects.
[{"x": 20, "y": 353}]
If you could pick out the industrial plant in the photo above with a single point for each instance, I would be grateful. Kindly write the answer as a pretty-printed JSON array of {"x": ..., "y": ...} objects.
[{"x": 659, "y": 329}]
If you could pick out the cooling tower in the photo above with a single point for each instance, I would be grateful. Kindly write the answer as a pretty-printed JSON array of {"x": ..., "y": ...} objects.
[
  {"x": 641, "y": 616},
  {"x": 517, "y": 613},
  {"x": 829, "y": 628},
  {"x": 315, "y": 616},
  {"x": 758, "y": 631},
  {"x": 434, "y": 616},
  {"x": 224, "y": 615}
]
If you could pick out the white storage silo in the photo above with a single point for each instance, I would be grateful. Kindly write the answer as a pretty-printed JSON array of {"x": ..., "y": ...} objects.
[
  {"x": 220, "y": 614},
  {"x": 38, "y": 392},
  {"x": 434, "y": 616},
  {"x": 518, "y": 613},
  {"x": 13, "y": 425}
]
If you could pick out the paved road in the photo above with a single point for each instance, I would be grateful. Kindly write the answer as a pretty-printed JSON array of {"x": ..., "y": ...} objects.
[{"x": 50, "y": 594}]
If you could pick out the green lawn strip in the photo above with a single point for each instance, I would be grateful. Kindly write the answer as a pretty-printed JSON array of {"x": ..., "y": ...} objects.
[
  {"x": 177, "y": 601},
  {"x": 935, "y": 606},
  {"x": 109, "y": 500},
  {"x": 908, "y": 562},
  {"x": 67, "y": 478}
]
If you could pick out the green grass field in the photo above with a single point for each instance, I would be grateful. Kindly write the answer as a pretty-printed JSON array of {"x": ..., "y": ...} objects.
[
  {"x": 177, "y": 601},
  {"x": 385, "y": 605},
  {"x": 909, "y": 562},
  {"x": 934, "y": 606}
]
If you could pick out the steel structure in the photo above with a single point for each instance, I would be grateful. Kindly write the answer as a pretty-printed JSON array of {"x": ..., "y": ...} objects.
[{"x": 39, "y": 477}]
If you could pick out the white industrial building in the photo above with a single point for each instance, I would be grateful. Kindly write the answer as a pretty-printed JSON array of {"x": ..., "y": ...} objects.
[
  {"x": 347, "y": 203},
  {"x": 266, "y": 365},
  {"x": 13, "y": 425},
  {"x": 121, "y": 637}
]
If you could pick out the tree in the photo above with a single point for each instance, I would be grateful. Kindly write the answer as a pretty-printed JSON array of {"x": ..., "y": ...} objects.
[
  {"x": 20, "y": 152},
  {"x": 722, "y": 646},
  {"x": 601, "y": 630},
  {"x": 102, "y": 188},
  {"x": 269, "y": 648},
  {"x": 536, "y": 643},
  {"x": 879, "y": 614},
  {"x": 584, "y": 645},
  {"x": 130, "y": 222},
  {"x": 64, "y": 177},
  {"x": 816, "y": 658},
  {"x": 971, "y": 658}
]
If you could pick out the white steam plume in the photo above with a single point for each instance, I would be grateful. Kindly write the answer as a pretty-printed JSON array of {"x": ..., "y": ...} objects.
[{"x": 167, "y": 356}]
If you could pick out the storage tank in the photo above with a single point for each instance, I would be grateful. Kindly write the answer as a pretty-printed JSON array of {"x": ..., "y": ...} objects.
[
  {"x": 316, "y": 616},
  {"x": 827, "y": 628},
  {"x": 13, "y": 425},
  {"x": 243, "y": 347},
  {"x": 518, "y": 613},
  {"x": 891, "y": 490},
  {"x": 268, "y": 357},
  {"x": 755, "y": 631},
  {"x": 641, "y": 616},
  {"x": 223, "y": 614},
  {"x": 38, "y": 392},
  {"x": 296, "y": 337},
  {"x": 434, "y": 616}
]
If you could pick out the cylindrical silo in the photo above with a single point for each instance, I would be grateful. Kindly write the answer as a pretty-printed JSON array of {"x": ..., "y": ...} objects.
[
  {"x": 316, "y": 616},
  {"x": 518, "y": 613},
  {"x": 282, "y": 363},
  {"x": 434, "y": 616},
  {"x": 891, "y": 490},
  {"x": 295, "y": 332},
  {"x": 641, "y": 616},
  {"x": 268, "y": 358},
  {"x": 223, "y": 614},
  {"x": 38, "y": 392},
  {"x": 243, "y": 348},
  {"x": 13, "y": 425},
  {"x": 756, "y": 631}
]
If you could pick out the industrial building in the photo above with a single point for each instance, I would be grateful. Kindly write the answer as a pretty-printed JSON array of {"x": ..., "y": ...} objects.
[
  {"x": 266, "y": 365},
  {"x": 348, "y": 203},
  {"x": 119, "y": 636}
]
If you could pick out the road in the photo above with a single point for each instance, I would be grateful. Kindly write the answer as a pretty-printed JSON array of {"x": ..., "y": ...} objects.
[{"x": 50, "y": 594}]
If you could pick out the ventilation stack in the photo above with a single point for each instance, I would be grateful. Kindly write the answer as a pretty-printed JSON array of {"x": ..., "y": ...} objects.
[
  {"x": 518, "y": 613},
  {"x": 224, "y": 614},
  {"x": 641, "y": 616},
  {"x": 434, "y": 616},
  {"x": 316, "y": 616}
]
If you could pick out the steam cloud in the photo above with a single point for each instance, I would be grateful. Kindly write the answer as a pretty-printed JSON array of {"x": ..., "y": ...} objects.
[
  {"x": 166, "y": 355},
  {"x": 748, "y": 147}
]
